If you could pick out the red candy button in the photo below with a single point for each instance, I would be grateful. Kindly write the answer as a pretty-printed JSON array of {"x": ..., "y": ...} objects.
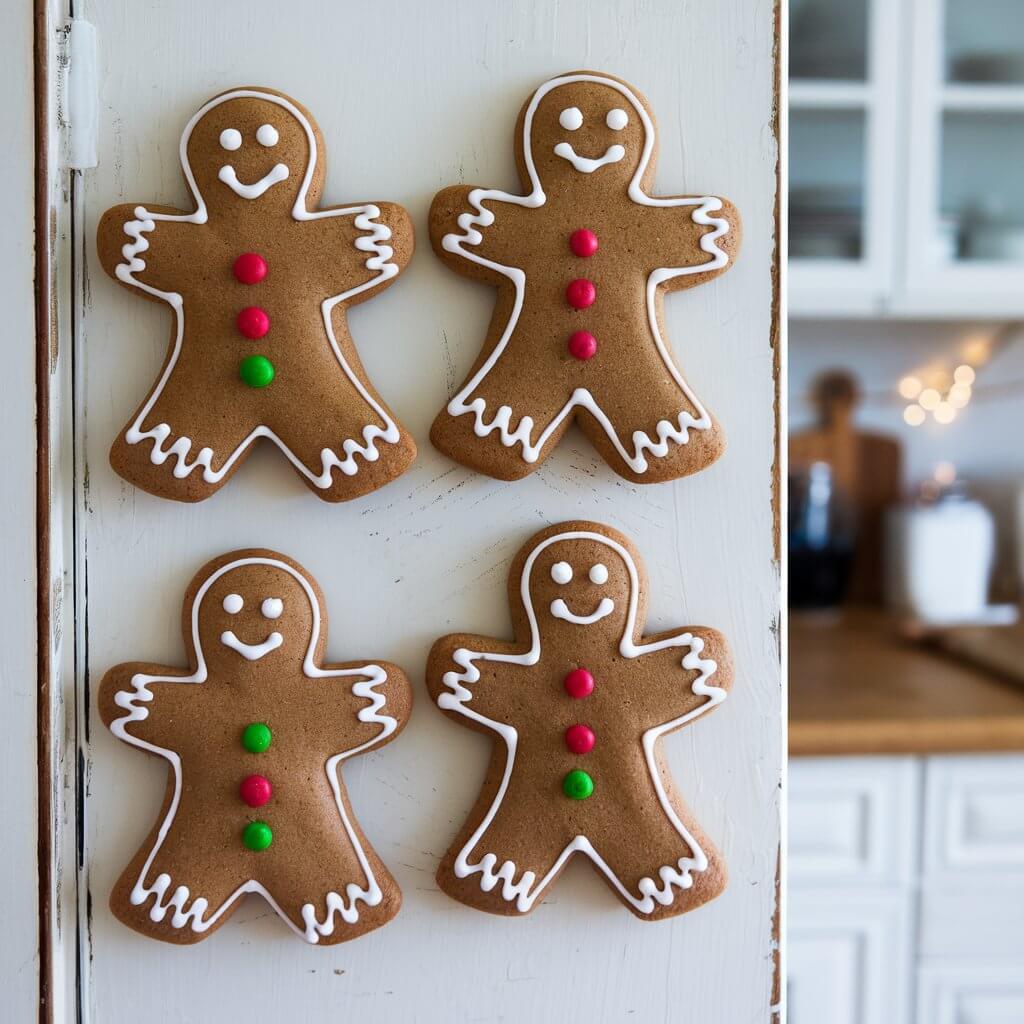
[
  {"x": 583, "y": 242},
  {"x": 249, "y": 268},
  {"x": 580, "y": 293},
  {"x": 255, "y": 790},
  {"x": 253, "y": 322},
  {"x": 580, "y": 739},
  {"x": 583, "y": 345},
  {"x": 579, "y": 683}
]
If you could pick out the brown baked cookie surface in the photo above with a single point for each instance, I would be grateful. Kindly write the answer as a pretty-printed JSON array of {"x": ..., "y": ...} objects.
[
  {"x": 259, "y": 279},
  {"x": 255, "y": 732},
  {"x": 582, "y": 262},
  {"x": 576, "y": 705}
]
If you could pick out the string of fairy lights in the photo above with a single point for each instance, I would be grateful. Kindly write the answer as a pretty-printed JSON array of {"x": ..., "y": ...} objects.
[{"x": 942, "y": 403}]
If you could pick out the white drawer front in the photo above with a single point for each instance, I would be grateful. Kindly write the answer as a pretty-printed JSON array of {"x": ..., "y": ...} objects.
[
  {"x": 848, "y": 957},
  {"x": 852, "y": 819},
  {"x": 982, "y": 994},
  {"x": 974, "y": 816}
]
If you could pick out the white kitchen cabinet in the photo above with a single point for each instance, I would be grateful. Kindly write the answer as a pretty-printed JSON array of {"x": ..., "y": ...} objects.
[
  {"x": 410, "y": 98},
  {"x": 974, "y": 993},
  {"x": 849, "y": 955},
  {"x": 939, "y": 928},
  {"x": 912, "y": 157}
]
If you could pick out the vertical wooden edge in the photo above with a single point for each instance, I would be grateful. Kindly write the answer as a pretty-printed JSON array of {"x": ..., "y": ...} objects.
[
  {"x": 43, "y": 328},
  {"x": 777, "y": 1012}
]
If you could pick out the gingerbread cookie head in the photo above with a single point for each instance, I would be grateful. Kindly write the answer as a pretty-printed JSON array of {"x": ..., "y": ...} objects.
[
  {"x": 254, "y": 614},
  {"x": 252, "y": 148},
  {"x": 576, "y": 578},
  {"x": 586, "y": 130}
]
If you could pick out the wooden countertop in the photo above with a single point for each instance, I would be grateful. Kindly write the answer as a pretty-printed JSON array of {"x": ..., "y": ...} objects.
[{"x": 856, "y": 687}]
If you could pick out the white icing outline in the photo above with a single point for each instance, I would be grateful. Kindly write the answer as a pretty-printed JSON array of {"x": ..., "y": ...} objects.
[
  {"x": 528, "y": 889},
  {"x": 251, "y": 652},
  {"x": 194, "y": 915},
  {"x": 560, "y": 610},
  {"x": 371, "y": 241},
  {"x": 581, "y": 397}
]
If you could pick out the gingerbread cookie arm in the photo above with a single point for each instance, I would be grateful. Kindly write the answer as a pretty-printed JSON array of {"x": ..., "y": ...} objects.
[
  {"x": 371, "y": 709},
  {"x": 376, "y": 238},
  {"x": 689, "y": 239},
  {"x": 142, "y": 704},
  {"x": 478, "y": 232},
  {"x": 144, "y": 247},
  {"x": 467, "y": 677},
  {"x": 685, "y": 673}
]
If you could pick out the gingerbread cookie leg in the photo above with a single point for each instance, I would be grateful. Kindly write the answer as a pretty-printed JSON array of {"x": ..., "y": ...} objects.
[
  {"x": 179, "y": 886},
  {"x": 667, "y": 435},
  {"x": 668, "y": 873},
  {"x": 167, "y": 449},
  {"x": 495, "y": 425},
  {"x": 496, "y": 864}
]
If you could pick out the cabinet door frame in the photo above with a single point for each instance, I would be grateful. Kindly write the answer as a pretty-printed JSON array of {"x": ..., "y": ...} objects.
[
  {"x": 864, "y": 286},
  {"x": 957, "y": 286}
]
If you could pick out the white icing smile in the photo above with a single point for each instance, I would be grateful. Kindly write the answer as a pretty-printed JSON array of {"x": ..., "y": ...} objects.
[
  {"x": 560, "y": 610},
  {"x": 251, "y": 652},
  {"x": 277, "y": 173},
  {"x": 586, "y": 164}
]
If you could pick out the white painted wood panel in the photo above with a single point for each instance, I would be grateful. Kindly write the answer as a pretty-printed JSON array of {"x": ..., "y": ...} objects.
[
  {"x": 853, "y": 820},
  {"x": 849, "y": 957},
  {"x": 410, "y": 100},
  {"x": 19, "y": 962},
  {"x": 964, "y": 993}
]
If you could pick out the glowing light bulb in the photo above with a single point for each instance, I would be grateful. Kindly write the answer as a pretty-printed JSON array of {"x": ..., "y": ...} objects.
[
  {"x": 944, "y": 413},
  {"x": 959, "y": 395},
  {"x": 929, "y": 399},
  {"x": 913, "y": 415},
  {"x": 910, "y": 387}
]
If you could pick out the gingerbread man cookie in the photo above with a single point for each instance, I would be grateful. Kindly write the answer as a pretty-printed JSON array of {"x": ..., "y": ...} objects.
[
  {"x": 259, "y": 280},
  {"x": 582, "y": 262},
  {"x": 255, "y": 733},
  {"x": 576, "y": 706}
]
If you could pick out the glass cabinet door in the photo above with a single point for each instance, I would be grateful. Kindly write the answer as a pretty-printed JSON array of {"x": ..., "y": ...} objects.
[
  {"x": 966, "y": 229},
  {"x": 841, "y": 108}
]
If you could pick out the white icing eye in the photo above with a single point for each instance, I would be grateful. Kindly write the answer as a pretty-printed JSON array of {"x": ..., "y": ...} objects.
[
  {"x": 272, "y": 608},
  {"x": 561, "y": 572},
  {"x": 599, "y": 573},
  {"x": 233, "y": 604},
  {"x": 571, "y": 118},
  {"x": 617, "y": 119},
  {"x": 230, "y": 138},
  {"x": 266, "y": 135}
]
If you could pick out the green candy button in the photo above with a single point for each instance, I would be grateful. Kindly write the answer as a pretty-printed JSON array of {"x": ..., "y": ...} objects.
[
  {"x": 256, "y": 371},
  {"x": 577, "y": 785},
  {"x": 257, "y": 835},
  {"x": 256, "y": 737}
]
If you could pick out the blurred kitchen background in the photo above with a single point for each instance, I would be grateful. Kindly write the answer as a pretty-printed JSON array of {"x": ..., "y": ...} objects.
[{"x": 906, "y": 524}]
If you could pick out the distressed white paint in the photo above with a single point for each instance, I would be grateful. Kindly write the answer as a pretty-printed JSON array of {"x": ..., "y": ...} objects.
[
  {"x": 19, "y": 963},
  {"x": 410, "y": 101}
]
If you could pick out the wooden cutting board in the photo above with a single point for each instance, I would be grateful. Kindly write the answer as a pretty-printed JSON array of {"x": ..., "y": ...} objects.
[{"x": 866, "y": 468}]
